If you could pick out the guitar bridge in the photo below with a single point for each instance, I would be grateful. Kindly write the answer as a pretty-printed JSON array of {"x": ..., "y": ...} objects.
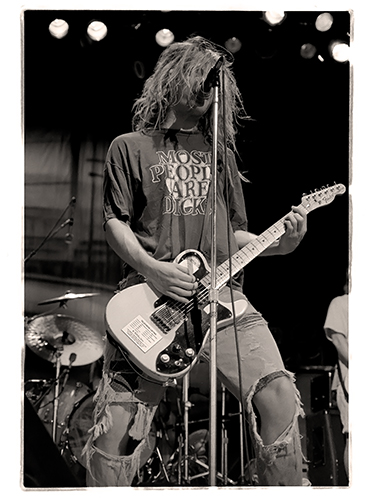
[{"x": 167, "y": 317}]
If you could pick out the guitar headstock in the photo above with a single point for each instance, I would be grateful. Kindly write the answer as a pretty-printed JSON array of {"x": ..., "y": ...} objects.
[{"x": 322, "y": 197}]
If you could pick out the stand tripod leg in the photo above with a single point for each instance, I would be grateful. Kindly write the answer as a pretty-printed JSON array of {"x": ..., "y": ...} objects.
[{"x": 162, "y": 464}]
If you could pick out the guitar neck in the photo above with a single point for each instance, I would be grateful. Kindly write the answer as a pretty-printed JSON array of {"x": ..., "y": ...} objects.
[{"x": 247, "y": 253}]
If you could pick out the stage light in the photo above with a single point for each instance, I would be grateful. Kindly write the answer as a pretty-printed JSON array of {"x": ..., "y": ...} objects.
[
  {"x": 324, "y": 22},
  {"x": 339, "y": 51},
  {"x": 233, "y": 44},
  {"x": 58, "y": 28},
  {"x": 274, "y": 17},
  {"x": 97, "y": 30},
  {"x": 308, "y": 50},
  {"x": 164, "y": 37}
]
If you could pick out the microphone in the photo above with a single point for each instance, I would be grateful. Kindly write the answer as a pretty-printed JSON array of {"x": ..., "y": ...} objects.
[
  {"x": 69, "y": 235},
  {"x": 72, "y": 358},
  {"x": 212, "y": 76}
]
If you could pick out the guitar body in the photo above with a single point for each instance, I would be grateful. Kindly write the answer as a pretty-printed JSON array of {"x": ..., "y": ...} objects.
[{"x": 136, "y": 319}]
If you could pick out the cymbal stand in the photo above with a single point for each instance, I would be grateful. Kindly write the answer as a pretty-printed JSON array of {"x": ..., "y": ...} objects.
[
  {"x": 186, "y": 408},
  {"x": 183, "y": 443},
  {"x": 224, "y": 438},
  {"x": 56, "y": 395},
  {"x": 242, "y": 461}
]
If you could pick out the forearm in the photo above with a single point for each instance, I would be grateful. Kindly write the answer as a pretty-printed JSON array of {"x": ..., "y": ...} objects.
[
  {"x": 124, "y": 243},
  {"x": 341, "y": 344}
]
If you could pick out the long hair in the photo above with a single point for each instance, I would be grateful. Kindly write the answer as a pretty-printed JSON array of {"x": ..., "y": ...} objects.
[{"x": 186, "y": 65}]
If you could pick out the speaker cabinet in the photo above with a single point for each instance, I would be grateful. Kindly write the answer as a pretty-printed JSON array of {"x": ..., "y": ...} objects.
[{"x": 322, "y": 440}]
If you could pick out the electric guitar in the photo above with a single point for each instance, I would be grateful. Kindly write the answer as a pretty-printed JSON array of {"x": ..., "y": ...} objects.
[{"x": 161, "y": 337}]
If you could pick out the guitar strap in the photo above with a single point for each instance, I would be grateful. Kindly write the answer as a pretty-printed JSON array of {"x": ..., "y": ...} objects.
[
  {"x": 206, "y": 226},
  {"x": 342, "y": 382}
]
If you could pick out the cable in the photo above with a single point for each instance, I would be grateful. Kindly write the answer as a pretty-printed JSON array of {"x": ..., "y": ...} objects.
[{"x": 227, "y": 173}]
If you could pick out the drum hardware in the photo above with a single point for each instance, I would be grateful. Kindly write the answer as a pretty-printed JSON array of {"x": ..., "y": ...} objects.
[
  {"x": 54, "y": 412},
  {"x": 63, "y": 341},
  {"x": 188, "y": 465},
  {"x": 224, "y": 439},
  {"x": 56, "y": 396},
  {"x": 57, "y": 391},
  {"x": 36, "y": 392}
]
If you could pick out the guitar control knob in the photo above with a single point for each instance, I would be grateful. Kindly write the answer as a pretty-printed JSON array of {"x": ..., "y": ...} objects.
[
  {"x": 189, "y": 352},
  {"x": 164, "y": 358}
]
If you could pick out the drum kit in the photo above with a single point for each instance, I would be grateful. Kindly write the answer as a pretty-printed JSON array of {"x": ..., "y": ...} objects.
[{"x": 177, "y": 448}]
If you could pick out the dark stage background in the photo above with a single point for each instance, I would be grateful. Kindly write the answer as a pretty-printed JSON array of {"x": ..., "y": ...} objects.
[{"x": 78, "y": 97}]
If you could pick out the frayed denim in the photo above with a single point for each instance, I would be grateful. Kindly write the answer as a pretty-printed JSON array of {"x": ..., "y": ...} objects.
[{"x": 278, "y": 463}]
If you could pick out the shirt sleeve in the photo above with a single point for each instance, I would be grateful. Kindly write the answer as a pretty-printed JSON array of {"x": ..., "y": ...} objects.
[
  {"x": 117, "y": 189},
  {"x": 337, "y": 316}
]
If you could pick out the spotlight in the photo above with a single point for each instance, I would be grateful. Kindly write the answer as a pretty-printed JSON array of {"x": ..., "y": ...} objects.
[
  {"x": 308, "y": 50},
  {"x": 97, "y": 30},
  {"x": 233, "y": 44},
  {"x": 58, "y": 28},
  {"x": 324, "y": 22},
  {"x": 274, "y": 17},
  {"x": 339, "y": 51},
  {"x": 164, "y": 37}
]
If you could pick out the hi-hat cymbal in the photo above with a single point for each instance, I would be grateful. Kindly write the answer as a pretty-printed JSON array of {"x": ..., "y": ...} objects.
[
  {"x": 51, "y": 334},
  {"x": 67, "y": 296}
]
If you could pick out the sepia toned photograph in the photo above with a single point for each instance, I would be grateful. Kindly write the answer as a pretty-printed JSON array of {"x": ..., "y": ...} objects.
[{"x": 186, "y": 248}]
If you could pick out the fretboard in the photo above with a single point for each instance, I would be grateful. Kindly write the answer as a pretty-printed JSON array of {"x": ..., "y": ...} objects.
[{"x": 246, "y": 254}]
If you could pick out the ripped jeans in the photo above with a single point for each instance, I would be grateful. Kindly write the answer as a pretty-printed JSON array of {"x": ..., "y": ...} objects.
[{"x": 126, "y": 405}]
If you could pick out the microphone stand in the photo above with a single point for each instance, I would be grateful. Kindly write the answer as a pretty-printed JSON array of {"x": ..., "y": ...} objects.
[
  {"x": 53, "y": 231},
  {"x": 213, "y": 290}
]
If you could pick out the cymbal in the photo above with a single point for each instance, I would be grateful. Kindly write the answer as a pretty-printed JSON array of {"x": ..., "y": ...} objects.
[
  {"x": 51, "y": 334},
  {"x": 198, "y": 440},
  {"x": 67, "y": 296}
]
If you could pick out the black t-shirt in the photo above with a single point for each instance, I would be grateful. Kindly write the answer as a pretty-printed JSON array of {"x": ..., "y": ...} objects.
[{"x": 159, "y": 182}]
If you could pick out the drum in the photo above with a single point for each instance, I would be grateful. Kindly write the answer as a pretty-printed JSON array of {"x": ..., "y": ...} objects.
[
  {"x": 81, "y": 421},
  {"x": 72, "y": 393}
]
